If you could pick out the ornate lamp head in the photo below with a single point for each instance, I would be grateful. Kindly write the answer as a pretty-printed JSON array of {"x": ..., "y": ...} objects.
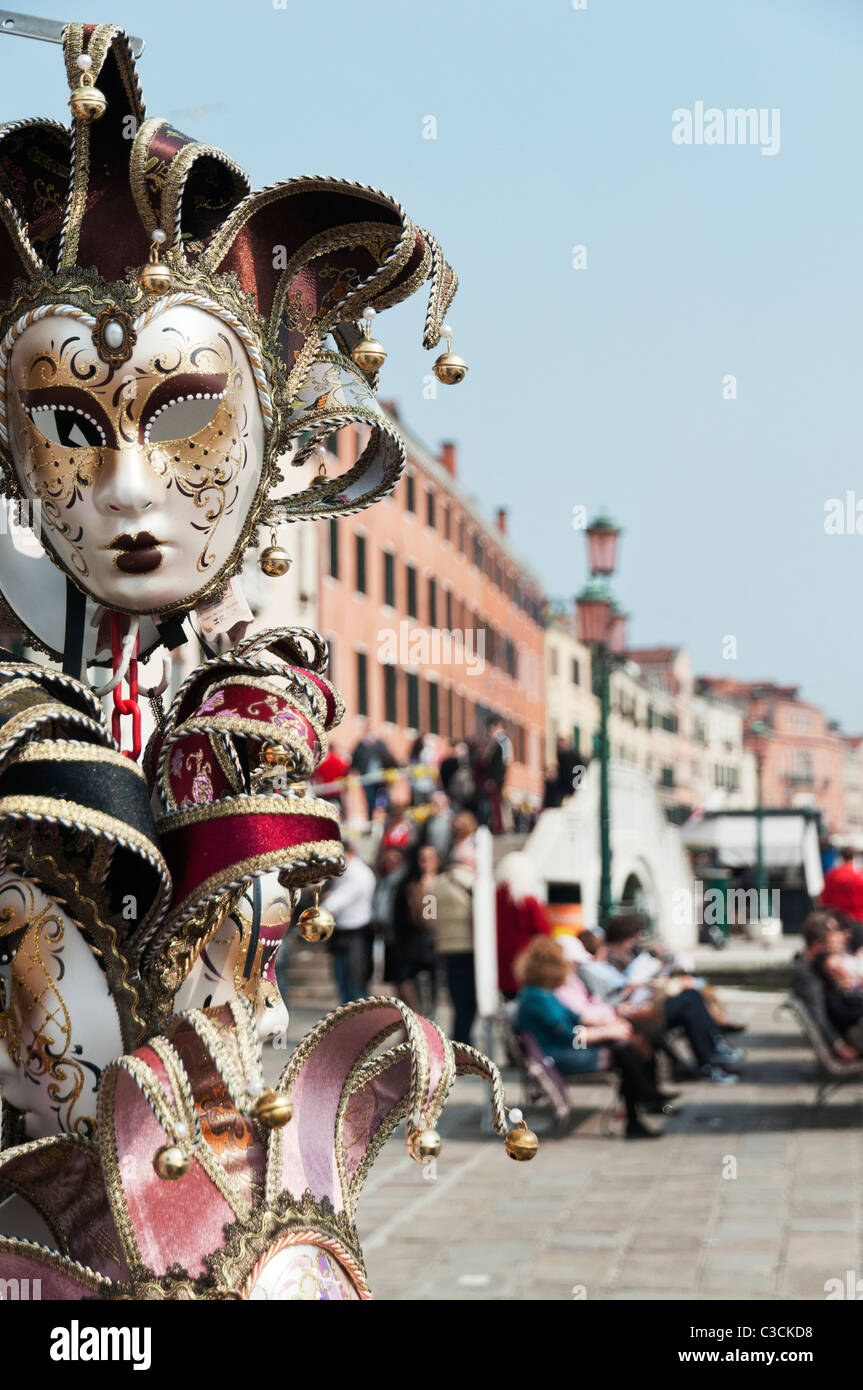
[{"x": 162, "y": 340}]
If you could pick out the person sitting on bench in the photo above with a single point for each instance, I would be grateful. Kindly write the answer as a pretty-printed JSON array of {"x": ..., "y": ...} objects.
[
  {"x": 576, "y": 1049},
  {"x": 655, "y": 1010},
  {"x": 823, "y": 936}
]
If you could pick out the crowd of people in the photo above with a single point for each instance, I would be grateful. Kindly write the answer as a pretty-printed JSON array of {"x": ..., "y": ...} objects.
[
  {"x": 608, "y": 1000},
  {"x": 592, "y": 1002},
  {"x": 465, "y": 775},
  {"x": 417, "y": 903}
]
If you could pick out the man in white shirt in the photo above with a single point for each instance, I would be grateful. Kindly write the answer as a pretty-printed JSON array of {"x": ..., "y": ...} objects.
[{"x": 349, "y": 898}]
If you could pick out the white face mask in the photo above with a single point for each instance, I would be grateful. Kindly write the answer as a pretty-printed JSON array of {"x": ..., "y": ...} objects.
[
  {"x": 58, "y": 1025},
  {"x": 219, "y": 972},
  {"x": 145, "y": 472}
]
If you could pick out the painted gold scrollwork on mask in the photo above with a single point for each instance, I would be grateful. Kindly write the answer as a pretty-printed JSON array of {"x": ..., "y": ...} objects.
[{"x": 36, "y": 1024}]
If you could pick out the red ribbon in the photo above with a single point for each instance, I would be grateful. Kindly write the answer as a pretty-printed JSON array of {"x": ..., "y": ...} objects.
[{"x": 129, "y": 705}]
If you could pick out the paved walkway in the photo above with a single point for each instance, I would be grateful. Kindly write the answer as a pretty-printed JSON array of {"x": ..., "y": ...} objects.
[{"x": 749, "y": 1194}]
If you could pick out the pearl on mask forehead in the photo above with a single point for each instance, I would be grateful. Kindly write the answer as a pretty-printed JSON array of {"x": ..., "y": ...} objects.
[{"x": 114, "y": 334}]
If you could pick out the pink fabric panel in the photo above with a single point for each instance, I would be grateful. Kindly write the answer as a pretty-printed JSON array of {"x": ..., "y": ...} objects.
[
  {"x": 67, "y": 1180},
  {"x": 174, "y": 1222},
  {"x": 308, "y": 1148},
  {"x": 368, "y": 1109},
  {"x": 436, "y": 1055}
]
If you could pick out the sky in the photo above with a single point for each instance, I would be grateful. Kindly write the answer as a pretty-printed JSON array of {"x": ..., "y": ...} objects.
[{"x": 605, "y": 383}]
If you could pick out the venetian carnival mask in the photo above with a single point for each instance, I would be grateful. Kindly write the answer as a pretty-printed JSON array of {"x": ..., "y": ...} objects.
[
  {"x": 144, "y": 473},
  {"x": 58, "y": 1024},
  {"x": 150, "y": 413},
  {"x": 240, "y": 959}
]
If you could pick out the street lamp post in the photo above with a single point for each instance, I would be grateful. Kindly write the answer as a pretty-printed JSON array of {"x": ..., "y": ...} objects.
[
  {"x": 602, "y": 628},
  {"x": 759, "y": 730}
]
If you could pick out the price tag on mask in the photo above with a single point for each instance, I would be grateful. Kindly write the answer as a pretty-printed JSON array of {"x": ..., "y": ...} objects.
[{"x": 222, "y": 614}]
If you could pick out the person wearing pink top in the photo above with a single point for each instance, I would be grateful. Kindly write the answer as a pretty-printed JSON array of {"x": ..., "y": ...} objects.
[{"x": 574, "y": 992}]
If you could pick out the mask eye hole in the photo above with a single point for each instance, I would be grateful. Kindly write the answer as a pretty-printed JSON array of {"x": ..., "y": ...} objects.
[
  {"x": 67, "y": 426},
  {"x": 183, "y": 418}
]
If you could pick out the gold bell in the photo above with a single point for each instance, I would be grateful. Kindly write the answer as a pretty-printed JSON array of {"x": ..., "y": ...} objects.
[
  {"x": 155, "y": 276},
  {"x": 316, "y": 923},
  {"x": 86, "y": 101},
  {"x": 275, "y": 560},
  {"x": 424, "y": 1143},
  {"x": 368, "y": 354},
  {"x": 171, "y": 1162},
  {"x": 521, "y": 1143},
  {"x": 449, "y": 367},
  {"x": 273, "y": 1110},
  {"x": 274, "y": 755}
]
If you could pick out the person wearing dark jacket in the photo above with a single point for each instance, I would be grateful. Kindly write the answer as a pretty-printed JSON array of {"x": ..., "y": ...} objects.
[
  {"x": 371, "y": 755},
  {"x": 822, "y": 936},
  {"x": 842, "y": 998}
]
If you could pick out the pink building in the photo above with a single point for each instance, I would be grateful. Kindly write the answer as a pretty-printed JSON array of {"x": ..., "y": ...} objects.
[{"x": 803, "y": 752}]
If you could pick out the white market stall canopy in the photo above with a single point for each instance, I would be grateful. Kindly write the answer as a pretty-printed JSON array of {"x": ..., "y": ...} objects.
[{"x": 790, "y": 842}]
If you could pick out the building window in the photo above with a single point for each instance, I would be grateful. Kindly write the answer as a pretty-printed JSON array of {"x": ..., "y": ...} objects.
[
  {"x": 462, "y": 532},
  {"x": 552, "y": 661},
  {"x": 334, "y": 547},
  {"x": 430, "y": 509},
  {"x": 477, "y": 552},
  {"x": 446, "y": 521},
  {"x": 575, "y": 673},
  {"x": 390, "y": 702},
  {"x": 667, "y": 777},
  {"x": 413, "y": 701},
  {"x": 411, "y": 494},
  {"x": 389, "y": 579},
  {"x": 432, "y": 602},
  {"x": 669, "y": 723},
  {"x": 449, "y": 609},
  {"x": 412, "y": 591},
  {"x": 434, "y": 709},
  {"x": 363, "y": 683},
  {"x": 361, "y": 564}
]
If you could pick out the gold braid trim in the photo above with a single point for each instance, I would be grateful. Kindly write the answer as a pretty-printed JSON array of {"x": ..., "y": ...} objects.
[
  {"x": 111, "y": 1171},
  {"x": 73, "y": 751},
  {"x": 51, "y": 1259},
  {"x": 59, "y": 812}
]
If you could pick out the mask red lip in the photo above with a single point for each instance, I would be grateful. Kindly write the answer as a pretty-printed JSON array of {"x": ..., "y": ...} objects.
[
  {"x": 144, "y": 540},
  {"x": 139, "y": 554}
]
